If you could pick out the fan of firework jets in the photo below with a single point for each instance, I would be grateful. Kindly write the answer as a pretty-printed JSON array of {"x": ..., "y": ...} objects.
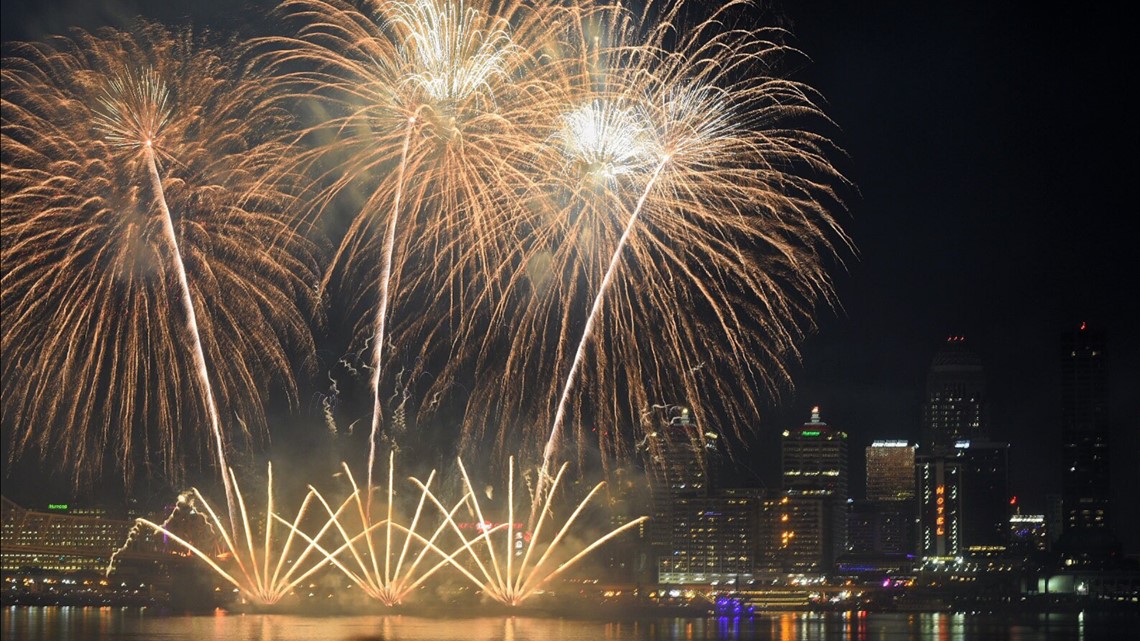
[{"x": 574, "y": 173}]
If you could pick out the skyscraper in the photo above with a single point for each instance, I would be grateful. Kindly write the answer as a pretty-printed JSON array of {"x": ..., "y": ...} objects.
[
  {"x": 939, "y": 481},
  {"x": 814, "y": 459},
  {"x": 955, "y": 406},
  {"x": 985, "y": 495},
  {"x": 1086, "y": 537},
  {"x": 1084, "y": 430},
  {"x": 812, "y": 512},
  {"x": 884, "y": 523},
  {"x": 691, "y": 530}
]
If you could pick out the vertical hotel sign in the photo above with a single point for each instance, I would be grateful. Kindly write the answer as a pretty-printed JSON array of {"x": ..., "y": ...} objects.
[
  {"x": 940, "y": 513},
  {"x": 940, "y": 508}
]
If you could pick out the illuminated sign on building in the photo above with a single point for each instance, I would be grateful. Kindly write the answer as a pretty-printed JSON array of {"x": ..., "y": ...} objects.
[
  {"x": 889, "y": 443},
  {"x": 940, "y": 521}
]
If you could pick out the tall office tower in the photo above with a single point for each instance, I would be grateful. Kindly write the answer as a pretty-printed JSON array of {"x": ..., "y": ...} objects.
[
  {"x": 955, "y": 406},
  {"x": 1086, "y": 538},
  {"x": 890, "y": 471},
  {"x": 1084, "y": 430},
  {"x": 814, "y": 462},
  {"x": 939, "y": 480},
  {"x": 814, "y": 459},
  {"x": 985, "y": 500},
  {"x": 681, "y": 459}
]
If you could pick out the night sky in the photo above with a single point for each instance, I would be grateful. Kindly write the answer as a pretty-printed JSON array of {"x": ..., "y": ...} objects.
[{"x": 992, "y": 147}]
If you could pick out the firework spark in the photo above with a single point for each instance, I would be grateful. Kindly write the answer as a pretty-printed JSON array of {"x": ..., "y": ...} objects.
[
  {"x": 497, "y": 574},
  {"x": 427, "y": 105},
  {"x": 145, "y": 253},
  {"x": 686, "y": 215},
  {"x": 389, "y": 582},
  {"x": 264, "y": 574}
]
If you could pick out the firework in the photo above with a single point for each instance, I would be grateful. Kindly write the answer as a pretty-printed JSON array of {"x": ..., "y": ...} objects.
[
  {"x": 428, "y": 105},
  {"x": 250, "y": 559},
  {"x": 498, "y": 575},
  {"x": 676, "y": 247},
  {"x": 391, "y": 581},
  {"x": 145, "y": 254},
  {"x": 386, "y": 558}
]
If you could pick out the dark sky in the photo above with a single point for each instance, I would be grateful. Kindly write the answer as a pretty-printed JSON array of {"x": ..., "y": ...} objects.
[{"x": 993, "y": 149}]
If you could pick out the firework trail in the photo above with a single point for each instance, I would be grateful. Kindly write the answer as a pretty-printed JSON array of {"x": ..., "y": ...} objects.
[
  {"x": 145, "y": 253},
  {"x": 686, "y": 216},
  {"x": 403, "y": 570},
  {"x": 253, "y": 569},
  {"x": 506, "y": 581},
  {"x": 426, "y": 107},
  {"x": 184, "y": 499}
]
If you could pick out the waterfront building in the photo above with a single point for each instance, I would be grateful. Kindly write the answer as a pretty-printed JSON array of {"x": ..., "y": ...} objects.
[
  {"x": 1087, "y": 537},
  {"x": 985, "y": 498},
  {"x": 67, "y": 538},
  {"x": 799, "y": 534},
  {"x": 1028, "y": 533},
  {"x": 939, "y": 481},
  {"x": 681, "y": 460},
  {"x": 714, "y": 539}
]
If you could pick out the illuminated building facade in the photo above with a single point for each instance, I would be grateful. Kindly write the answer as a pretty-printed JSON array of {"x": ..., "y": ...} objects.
[
  {"x": 890, "y": 471},
  {"x": 939, "y": 481},
  {"x": 884, "y": 523},
  {"x": 1028, "y": 532},
  {"x": 814, "y": 459},
  {"x": 714, "y": 539},
  {"x": 799, "y": 534},
  {"x": 681, "y": 460},
  {"x": 64, "y": 538},
  {"x": 808, "y": 523},
  {"x": 955, "y": 406}
]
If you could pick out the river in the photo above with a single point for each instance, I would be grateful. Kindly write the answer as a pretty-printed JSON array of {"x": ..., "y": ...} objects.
[{"x": 140, "y": 624}]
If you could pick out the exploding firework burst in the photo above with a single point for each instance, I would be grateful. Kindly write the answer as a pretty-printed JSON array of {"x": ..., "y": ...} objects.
[
  {"x": 686, "y": 217},
  {"x": 152, "y": 282},
  {"x": 427, "y": 107}
]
